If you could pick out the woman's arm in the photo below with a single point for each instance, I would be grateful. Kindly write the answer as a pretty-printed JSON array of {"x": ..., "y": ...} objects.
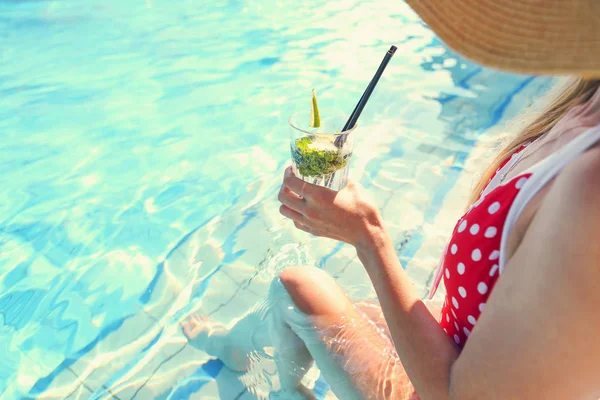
[
  {"x": 539, "y": 334},
  {"x": 426, "y": 351}
]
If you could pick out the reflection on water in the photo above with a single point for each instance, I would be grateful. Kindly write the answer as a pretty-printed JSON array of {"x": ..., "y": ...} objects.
[{"x": 142, "y": 146}]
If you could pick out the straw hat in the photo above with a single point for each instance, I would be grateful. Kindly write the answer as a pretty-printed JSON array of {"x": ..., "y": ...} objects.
[{"x": 529, "y": 36}]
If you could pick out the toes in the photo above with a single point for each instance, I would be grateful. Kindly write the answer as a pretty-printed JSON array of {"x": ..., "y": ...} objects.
[
  {"x": 190, "y": 326},
  {"x": 188, "y": 329},
  {"x": 201, "y": 319},
  {"x": 195, "y": 318},
  {"x": 196, "y": 324}
]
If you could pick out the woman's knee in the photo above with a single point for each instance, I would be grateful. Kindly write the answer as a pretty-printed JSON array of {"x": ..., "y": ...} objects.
[{"x": 314, "y": 292}]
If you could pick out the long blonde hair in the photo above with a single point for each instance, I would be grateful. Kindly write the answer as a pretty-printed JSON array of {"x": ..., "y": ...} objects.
[{"x": 577, "y": 92}]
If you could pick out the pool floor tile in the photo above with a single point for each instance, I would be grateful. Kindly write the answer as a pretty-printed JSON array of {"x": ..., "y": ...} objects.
[
  {"x": 183, "y": 272},
  {"x": 235, "y": 305},
  {"x": 252, "y": 240},
  {"x": 81, "y": 393},
  {"x": 66, "y": 385},
  {"x": 180, "y": 372},
  {"x": 199, "y": 385},
  {"x": 113, "y": 354},
  {"x": 209, "y": 391},
  {"x": 246, "y": 396}
]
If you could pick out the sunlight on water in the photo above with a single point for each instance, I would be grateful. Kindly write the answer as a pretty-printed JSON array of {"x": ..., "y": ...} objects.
[{"x": 142, "y": 147}]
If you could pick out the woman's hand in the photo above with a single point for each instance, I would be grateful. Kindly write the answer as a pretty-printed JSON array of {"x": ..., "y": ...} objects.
[{"x": 348, "y": 215}]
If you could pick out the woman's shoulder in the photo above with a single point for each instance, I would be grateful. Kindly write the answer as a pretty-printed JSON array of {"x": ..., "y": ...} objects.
[
  {"x": 572, "y": 205},
  {"x": 543, "y": 310},
  {"x": 581, "y": 177}
]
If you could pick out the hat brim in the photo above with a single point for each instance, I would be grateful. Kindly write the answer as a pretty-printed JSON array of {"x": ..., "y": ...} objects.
[{"x": 527, "y": 36}]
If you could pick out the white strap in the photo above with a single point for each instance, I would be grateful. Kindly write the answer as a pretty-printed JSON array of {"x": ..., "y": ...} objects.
[{"x": 543, "y": 172}]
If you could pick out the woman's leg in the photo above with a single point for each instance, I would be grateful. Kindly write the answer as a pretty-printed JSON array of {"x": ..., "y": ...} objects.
[
  {"x": 355, "y": 356},
  {"x": 371, "y": 309},
  {"x": 233, "y": 346},
  {"x": 309, "y": 317}
]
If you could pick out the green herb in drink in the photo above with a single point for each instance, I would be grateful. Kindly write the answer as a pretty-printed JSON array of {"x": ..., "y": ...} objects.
[{"x": 316, "y": 156}]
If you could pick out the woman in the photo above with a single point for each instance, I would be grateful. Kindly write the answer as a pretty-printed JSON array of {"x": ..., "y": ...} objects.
[{"x": 534, "y": 220}]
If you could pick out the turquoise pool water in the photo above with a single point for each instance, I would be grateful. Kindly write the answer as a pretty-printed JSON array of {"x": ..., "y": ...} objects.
[{"x": 142, "y": 145}]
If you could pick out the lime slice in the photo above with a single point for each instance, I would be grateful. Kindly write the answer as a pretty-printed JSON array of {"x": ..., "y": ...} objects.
[{"x": 315, "y": 118}]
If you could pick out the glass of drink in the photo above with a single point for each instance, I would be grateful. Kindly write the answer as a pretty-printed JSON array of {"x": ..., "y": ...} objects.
[{"x": 321, "y": 156}]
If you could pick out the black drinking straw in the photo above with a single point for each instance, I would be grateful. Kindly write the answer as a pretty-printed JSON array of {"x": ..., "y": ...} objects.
[{"x": 339, "y": 141}]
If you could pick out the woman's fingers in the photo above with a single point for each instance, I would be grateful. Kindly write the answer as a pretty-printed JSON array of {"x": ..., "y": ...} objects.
[
  {"x": 291, "y": 199},
  {"x": 298, "y": 220},
  {"x": 302, "y": 227},
  {"x": 291, "y": 214},
  {"x": 296, "y": 184}
]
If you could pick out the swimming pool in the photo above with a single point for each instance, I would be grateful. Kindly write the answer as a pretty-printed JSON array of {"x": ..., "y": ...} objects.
[{"x": 142, "y": 147}]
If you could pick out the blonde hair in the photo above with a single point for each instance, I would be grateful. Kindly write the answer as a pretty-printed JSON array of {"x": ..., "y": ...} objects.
[{"x": 577, "y": 92}]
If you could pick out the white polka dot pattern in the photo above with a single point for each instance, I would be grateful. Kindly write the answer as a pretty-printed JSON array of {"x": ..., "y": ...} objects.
[
  {"x": 494, "y": 270},
  {"x": 455, "y": 303},
  {"x": 474, "y": 229},
  {"x": 474, "y": 250},
  {"x": 490, "y": 232},
  {"x": 454, "y": 249},
  {"x": 493, "y": 209},
  {"x": 482, "y": 288},
  {"x": 521, "y": 182}
]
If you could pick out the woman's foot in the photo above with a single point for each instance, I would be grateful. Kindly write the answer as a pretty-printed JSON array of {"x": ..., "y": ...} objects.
[{"x": 214, "y": 338}]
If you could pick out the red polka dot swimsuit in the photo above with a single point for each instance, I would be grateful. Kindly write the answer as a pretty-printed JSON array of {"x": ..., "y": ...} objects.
[
  {"x": 474, "y": 257},
  {"x": 470, "y": 265}
]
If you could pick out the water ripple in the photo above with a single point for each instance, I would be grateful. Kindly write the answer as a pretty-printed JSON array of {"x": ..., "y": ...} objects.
[{"x": 142, "y": 148}]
